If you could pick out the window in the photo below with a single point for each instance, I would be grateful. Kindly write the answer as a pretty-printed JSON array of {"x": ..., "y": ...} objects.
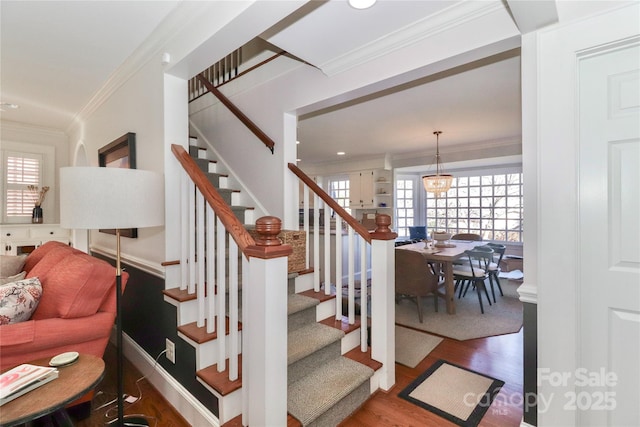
[
  {"x": 339, "y": 191},
  {"x": 26, "y": 164},
  {"x": 489, "y": 205},
  {"x": 405, "y": 205},
  {"x": 21, "y": 170}
]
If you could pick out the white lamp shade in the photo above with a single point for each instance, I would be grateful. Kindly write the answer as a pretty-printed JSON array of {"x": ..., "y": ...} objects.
[{"x": 99, "y": 197}]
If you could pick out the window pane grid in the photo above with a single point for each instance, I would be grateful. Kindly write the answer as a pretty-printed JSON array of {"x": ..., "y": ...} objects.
[
  {"x": 339, "y": 191},
  {"x": 489, "y": 205},
  {"x": 405, "y": 211},
  {"x": 21, "y": 171}
]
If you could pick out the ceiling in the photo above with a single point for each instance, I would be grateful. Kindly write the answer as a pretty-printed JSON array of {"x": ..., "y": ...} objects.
[{"x": 56, "y": 55}]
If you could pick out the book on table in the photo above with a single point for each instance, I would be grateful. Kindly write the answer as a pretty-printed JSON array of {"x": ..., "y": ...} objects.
[{"x": 22, "y": 379}]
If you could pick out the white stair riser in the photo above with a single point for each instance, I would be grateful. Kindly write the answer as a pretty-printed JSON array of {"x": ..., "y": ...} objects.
[
  {"x": 325, "y": 309},
  {"x": 304, "y": 282},
  {"x": 229, "y": 406},
  {"x": 186, "y": 312},
  {"x": 207, "y": 353},
  {"x": 350, "y": 341}
]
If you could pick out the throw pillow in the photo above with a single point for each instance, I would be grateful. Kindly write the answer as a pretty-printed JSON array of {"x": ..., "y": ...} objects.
[
  {"x": 18, "y": 300},
  {"x": 19, "y": 276},
  {"x": 10, "y": 265}
]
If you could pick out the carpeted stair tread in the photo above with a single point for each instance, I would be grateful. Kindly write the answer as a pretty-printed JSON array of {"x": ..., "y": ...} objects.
[
  {"x": 313, "y": 395},
  {"x": 308, "y": 339},
  {"x": 298, "y": 303}
]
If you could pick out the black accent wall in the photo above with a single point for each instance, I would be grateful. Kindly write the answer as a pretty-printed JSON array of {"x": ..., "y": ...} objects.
[
  {"x": 530, "y": 362},
  {"x": 149, "y": 320}
]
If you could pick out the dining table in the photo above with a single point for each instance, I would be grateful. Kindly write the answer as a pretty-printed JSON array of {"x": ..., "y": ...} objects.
[{"x": 444, "y": 256}]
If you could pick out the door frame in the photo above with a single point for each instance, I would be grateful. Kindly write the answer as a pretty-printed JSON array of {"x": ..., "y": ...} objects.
[{"x": 556, "y": 245}]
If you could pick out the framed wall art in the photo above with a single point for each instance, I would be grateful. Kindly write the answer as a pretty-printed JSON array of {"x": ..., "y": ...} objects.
[{"x": 120, "y": 153}]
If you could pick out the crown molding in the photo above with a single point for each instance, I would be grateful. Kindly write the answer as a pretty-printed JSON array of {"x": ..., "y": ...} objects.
[
  {"x": 11, "y": 126},
  {"x": 447, "y": 19},
  {"x": 173, "y": 23}
]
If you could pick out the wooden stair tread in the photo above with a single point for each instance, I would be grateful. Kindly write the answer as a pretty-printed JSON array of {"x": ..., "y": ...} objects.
[
  {"x": 342, "y": 324},
  {"x": 220, "y": 381},
  {"x": 321, "y": 296},
  {"x": 363, "y": 357},
  {"x": 180, "y": 295},
  {"x": 200, "y": 334}
]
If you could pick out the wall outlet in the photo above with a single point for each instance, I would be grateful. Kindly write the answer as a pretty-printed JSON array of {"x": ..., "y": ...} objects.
[{"x": 171, "y": 351}]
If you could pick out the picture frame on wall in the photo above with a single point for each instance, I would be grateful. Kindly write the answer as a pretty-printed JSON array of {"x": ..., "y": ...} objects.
[{"x": 120, "y": 153}]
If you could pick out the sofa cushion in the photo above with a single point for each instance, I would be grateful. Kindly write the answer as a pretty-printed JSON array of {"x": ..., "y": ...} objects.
[
  {"x": 38, "y": 253},
  {"x": 18, "y": 300},
  {"x": 10, "y": 265},
  {"x": 46, "y": 262},
  {"x": 74, "y": 287},
  {"x": 13, "y": 278}
]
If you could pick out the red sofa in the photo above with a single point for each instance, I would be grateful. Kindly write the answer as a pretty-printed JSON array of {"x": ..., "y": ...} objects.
[{"x": 76, "y": 312}]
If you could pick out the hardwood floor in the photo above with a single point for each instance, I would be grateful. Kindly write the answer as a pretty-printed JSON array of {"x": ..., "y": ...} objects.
[
  {"x": 157, "y": 411},
  {"x": 499, "y": 357}
]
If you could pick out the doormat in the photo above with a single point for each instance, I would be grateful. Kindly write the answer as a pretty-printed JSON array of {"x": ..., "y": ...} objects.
[{"x": 455, "y": 393}]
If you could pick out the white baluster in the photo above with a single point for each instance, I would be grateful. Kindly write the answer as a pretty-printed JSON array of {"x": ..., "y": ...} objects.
[
  {"x": 191, "y": 237},
  {"x": 363, "y": 294},
  {"x": 211, "y": 271},
  {"x": 221, "y": 286},
  {"x": 305, "y": 221},
  {"x": 233, "y": 310},
  {"x": 316, "y": 243},
  {"x": 338, "y": 262},
  {"x": 351, "y": 278},
  {"x": 184, "y": 243},
  {"x": 327, "y": 250},
  {"x": 201, "y": 262}
]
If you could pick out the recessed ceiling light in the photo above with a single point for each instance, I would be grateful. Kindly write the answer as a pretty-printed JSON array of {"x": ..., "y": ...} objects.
[
  {"x": 361, "y": 4},
  {"x": 297, "y": 142},
  {"x": 341, "y": 153},
  {"x": 298, "y": 160}
]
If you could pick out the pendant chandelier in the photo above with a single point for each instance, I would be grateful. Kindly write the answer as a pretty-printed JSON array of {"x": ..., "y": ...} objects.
[{"x": 440, "y": 182}]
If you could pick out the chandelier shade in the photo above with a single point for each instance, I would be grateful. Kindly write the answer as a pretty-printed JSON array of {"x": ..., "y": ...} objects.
[{"x": 440, "y": 182}]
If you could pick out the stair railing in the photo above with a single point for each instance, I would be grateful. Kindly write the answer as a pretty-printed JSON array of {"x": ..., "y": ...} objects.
[
  {"x": 223, "y": 72},
  {"x": 213, "y": 240},
  {"x": 368, "y": 256}
]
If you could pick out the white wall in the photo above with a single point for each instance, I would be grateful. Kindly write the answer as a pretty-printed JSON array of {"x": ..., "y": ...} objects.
[{"x": 133, "y": 100}]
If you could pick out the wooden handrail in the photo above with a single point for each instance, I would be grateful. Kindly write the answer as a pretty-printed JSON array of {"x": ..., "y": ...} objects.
[
  {"x": 239, "y": 114},
  {"x": 339, "y": 210},
  {"x": 233, "y": 226}
]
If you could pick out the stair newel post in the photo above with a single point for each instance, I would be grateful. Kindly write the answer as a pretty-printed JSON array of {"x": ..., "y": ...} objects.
[
  {"x": 265, "y": 327},
  {"x": 383, "y": 311}
]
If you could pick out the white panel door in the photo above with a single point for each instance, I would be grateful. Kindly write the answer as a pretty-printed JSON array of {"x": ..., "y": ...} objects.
[{"x": 608, "y": 376}]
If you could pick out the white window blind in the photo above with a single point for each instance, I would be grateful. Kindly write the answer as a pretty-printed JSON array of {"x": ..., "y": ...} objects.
[{"x": 22, "y": 169}]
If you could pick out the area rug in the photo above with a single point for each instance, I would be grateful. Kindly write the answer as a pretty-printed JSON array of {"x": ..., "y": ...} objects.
[
  {"x": 503, "y": 317},
  {"x": 413, "y": 346},
  {"x": 455, "y": 393}
]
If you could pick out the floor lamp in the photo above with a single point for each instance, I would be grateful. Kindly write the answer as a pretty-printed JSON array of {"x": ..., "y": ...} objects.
[{"x": 112, "y": 198}]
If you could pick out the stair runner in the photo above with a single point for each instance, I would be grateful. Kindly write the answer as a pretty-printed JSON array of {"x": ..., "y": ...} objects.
[{"x": 324, "y": 387}]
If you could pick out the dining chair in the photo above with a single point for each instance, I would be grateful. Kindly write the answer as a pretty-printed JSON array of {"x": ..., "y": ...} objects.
[
  {"x": 475, "y": 273},
  {"x": 494, "y": 266},
  {"x": 415, "y": 278}
]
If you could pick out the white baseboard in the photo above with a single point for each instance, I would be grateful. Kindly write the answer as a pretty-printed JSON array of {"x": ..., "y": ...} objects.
[{"x": 194, "y": 412}]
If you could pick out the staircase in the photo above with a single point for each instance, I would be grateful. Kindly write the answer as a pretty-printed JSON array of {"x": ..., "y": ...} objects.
[{"x": 328, "y": 376}]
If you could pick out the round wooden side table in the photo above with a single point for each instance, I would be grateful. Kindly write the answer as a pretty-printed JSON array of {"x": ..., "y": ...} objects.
[{"x": 73, "y": 382}]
